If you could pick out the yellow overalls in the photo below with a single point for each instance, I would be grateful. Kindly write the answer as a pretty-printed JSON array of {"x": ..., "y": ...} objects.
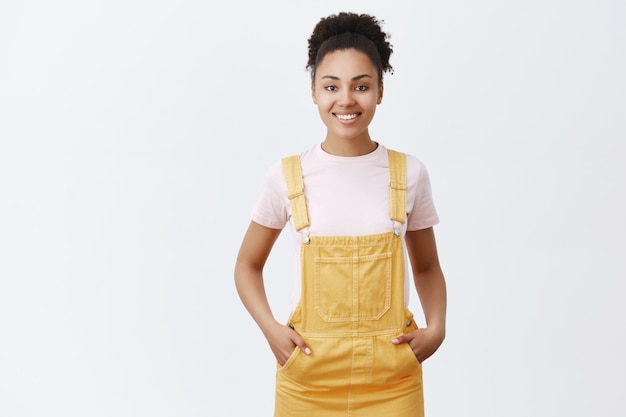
[{"x": 351, "y": 306}]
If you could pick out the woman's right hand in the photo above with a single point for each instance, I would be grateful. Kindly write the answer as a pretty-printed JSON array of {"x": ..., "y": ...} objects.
[
  {"x": 282, "y": 340},
  {"x": 255, "y": 248}
]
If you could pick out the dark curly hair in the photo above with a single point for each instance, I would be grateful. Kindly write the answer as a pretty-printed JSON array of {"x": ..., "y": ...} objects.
[{"x": 350, "y": 31}]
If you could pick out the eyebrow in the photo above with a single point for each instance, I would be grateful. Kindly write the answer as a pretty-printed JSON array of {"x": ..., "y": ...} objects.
[{"x": 357, "y": 78}]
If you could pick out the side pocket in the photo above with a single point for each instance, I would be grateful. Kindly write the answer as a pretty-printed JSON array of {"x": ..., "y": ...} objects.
[
  {"x": 409, "y": 327},
  {"x": 289, "y": 361},
  {"x": 411, "y": 356}
]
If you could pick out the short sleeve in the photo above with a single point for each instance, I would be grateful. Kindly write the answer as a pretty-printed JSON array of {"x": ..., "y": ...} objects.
[
  {"x": 420, "y": 205},
  {"x": 272, "y": 205}
]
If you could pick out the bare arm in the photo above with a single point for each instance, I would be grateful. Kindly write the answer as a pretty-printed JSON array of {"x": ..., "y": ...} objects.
[
  {"x": 431, "y": 288},
  {"x": 253, "y": 253}
]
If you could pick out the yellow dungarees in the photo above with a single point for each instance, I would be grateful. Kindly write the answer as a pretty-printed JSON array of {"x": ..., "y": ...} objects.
[{"x": 351, "y": 306}]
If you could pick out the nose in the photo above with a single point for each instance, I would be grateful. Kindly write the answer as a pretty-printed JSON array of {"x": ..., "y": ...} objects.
[{"x": 346, "y": 97}]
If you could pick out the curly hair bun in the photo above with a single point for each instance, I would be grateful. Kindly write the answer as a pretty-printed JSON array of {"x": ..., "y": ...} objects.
[{"x": 346, "y": 30}]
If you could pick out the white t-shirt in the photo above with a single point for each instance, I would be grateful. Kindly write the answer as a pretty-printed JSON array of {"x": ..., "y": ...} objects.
[{"x": 345, "y": 196}]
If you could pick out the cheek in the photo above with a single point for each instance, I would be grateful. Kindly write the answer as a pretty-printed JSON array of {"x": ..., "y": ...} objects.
[
  {"x": 374, "y": 100},
  {"x": 322, "y": 102}
]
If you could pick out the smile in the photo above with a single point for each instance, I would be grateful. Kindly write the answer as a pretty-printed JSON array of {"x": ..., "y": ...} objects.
[{"x": 346, "y": 116}]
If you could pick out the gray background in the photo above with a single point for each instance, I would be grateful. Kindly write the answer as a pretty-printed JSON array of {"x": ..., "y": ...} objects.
[{"x": 133, "y": 136}]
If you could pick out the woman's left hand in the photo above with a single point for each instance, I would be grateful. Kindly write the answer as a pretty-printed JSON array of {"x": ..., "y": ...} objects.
[{"x": 424, "y": 342}]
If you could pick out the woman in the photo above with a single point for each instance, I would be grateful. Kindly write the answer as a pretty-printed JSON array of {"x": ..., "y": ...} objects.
[{"x": 351, "y": 346}]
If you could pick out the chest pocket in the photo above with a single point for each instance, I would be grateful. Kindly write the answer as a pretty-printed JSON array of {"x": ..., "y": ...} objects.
[{"x": 351, "y": 287}]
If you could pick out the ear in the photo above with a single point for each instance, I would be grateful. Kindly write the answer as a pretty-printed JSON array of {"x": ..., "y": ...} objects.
[
  {"x": 380, "y": 94},
  {"x": 313, "y": 93}
]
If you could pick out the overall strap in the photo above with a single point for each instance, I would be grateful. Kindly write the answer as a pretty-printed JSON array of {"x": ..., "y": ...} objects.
[
  {"x": 295, "y": 190},
  {"x": 397, "y": 175}
]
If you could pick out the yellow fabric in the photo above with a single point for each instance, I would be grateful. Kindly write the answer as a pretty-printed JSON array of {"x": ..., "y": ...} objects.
[
  {"x": 351, "y": 306},
  {"x": 295, "y": 190},
  {"x": 397, "y": 164}
]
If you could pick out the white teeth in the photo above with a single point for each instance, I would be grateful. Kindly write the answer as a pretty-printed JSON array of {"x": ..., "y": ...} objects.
[{"x": 346, "y": 116}]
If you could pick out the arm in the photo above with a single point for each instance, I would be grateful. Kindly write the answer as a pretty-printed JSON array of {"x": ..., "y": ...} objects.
[
  {"x": 253, "y": 253},
  {"x": 431, "y": 288}
]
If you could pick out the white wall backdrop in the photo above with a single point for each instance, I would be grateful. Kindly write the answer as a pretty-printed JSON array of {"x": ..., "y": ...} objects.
[{"x": 133, "y": 136}]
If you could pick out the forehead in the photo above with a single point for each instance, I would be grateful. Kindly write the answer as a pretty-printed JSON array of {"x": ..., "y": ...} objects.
[{"x": 345, "y": 63}]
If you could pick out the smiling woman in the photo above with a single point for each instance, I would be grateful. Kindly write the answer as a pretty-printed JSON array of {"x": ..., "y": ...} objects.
[
  {"x": 351, "y": 347},
  {"x": 346, "y": 90}
]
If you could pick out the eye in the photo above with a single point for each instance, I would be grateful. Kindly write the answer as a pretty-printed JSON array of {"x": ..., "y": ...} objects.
[
  {"x": 330, "y": 88},
  {"x": 362, "y": 88}
]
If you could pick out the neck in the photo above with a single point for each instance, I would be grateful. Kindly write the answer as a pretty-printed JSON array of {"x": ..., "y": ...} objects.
[{"x": 345, "y": 148}]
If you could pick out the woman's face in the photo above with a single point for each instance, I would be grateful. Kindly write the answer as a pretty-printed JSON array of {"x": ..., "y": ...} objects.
[{"x": 346, "y": 91}]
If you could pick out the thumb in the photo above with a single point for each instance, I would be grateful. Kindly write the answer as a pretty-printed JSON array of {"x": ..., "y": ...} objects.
[
  {"x": 299, "y": 341},
  {"x": 401, "y": 339}
]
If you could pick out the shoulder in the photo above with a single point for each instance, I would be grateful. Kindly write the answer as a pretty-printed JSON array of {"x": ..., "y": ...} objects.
[
  {"x": 275, "y": 172},
  {"x": 303, "y": 155},
  {"x": 414, "y": 165}
]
